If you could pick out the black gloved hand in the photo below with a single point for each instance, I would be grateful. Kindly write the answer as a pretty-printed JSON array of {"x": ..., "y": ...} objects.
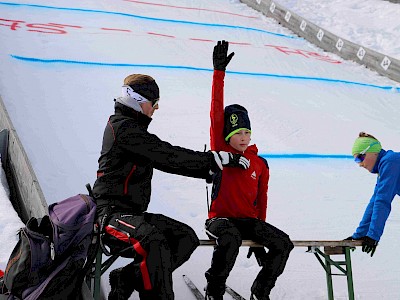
[
  {"x": 369, "y": 245},
  {"x": 259, "y": 253},
  {"x": 220, "y": 56},
  {"x": 350, "y": 238},
  {"x": 251, "y": 251},
  {"x": 227, "y": 159}
]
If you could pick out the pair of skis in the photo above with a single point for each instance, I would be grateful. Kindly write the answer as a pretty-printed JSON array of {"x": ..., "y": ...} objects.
[{"x": 199, "y": 296}]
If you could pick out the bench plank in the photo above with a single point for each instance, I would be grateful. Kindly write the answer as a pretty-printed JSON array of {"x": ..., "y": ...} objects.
[{"x": 306, "y": 243}]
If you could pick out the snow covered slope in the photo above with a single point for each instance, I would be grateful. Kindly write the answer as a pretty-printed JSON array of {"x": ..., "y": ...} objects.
[{"x": 63, "y": 62}]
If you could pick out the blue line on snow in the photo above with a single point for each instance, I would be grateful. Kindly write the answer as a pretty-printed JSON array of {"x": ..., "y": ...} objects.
[
  {"x": 305, "y": 155},
  {"x": 149, "y": 18},
  {"x": 64, "y": 61}
]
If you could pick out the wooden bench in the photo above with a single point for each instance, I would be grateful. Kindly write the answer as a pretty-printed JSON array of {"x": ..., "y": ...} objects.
[{"x": 341, "y": 247}]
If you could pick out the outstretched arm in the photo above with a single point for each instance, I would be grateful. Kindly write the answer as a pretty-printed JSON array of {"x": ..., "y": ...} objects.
[{"x": 220, "y": 60}]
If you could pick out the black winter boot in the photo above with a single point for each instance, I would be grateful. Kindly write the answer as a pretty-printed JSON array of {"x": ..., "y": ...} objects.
[
  {"x": 122, "y": 284},
  {"x": 254, "y": 297},
  {"x": 215, "y": 291},
  {"x": 213, "y": 297}
]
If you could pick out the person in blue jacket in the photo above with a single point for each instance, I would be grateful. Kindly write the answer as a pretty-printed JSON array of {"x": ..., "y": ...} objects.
[{"x": 368, "y": 153}]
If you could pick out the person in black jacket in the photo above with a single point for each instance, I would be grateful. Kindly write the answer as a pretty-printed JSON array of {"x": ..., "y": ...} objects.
[{"x": 129, "y": 154}]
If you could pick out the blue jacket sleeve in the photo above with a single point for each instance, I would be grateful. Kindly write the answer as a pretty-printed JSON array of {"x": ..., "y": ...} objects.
[
  {"x": 379, "y": 207},
  {"x": 365, "y": 222}
]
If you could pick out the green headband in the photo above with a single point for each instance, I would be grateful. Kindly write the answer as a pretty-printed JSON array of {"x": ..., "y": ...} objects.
[
  {"x": 234, "y": 132},
  {"x": 363, "y": 143}
]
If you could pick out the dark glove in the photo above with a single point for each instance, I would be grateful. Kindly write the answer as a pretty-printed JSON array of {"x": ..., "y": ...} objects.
[
  {"x": 259, "y": 253},
  {"x": 220, "y": 56},
  {"x": 350, "y": 238},
  {"x": 369, "y": 245},
  {"x": 251, "y": 251},
  {"x": 227, "y": 159}
]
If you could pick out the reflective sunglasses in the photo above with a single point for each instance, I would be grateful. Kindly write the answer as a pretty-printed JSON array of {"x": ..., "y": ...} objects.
[
  {"x": 155, "y": 102},
  {"x": 361, "y": 156}
]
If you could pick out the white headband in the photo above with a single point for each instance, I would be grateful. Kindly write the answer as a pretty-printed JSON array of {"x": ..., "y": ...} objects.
[{"x": 127, "y": 91}]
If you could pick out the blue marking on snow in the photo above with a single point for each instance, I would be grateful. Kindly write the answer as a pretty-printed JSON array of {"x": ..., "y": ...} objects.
[
  {"x": 293, "y": 77},
  {"x": 305, "y": 155},
  {"x": 149, "y": 18}
]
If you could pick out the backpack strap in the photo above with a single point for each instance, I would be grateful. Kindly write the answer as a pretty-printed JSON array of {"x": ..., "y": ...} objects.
[
  {"x": 89, "y": 188},
  {"x": 102, "y": 224}
]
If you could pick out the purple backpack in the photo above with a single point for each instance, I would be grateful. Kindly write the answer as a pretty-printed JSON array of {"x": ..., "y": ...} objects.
[{"x": 48, "y": 261}]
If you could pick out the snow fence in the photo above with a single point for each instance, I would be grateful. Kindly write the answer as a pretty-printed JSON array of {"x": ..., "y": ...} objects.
[
  {"x": 26, "y": 194},
  {"x": 383, "y": 64}
]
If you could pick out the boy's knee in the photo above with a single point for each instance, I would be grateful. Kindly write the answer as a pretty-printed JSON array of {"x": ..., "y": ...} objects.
[
  {"x": 286, "y": 245},
  {"x": 230, "y": 240},
  {"x": 289, "y": 245}
]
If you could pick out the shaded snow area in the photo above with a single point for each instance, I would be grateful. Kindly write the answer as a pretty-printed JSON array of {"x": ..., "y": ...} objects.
[
  {"x": 371, "y": 23},
  {"x": 9, "y": 220}
]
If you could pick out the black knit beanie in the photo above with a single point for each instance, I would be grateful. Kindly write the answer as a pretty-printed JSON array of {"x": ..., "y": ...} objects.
[{"x": 235, "y": 118}]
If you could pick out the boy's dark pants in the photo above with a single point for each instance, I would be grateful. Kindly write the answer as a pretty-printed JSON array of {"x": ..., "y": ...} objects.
[{"x": 229, "y": 233}]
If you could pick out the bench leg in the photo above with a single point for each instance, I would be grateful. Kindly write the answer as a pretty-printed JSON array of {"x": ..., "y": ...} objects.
[
  {"x": 99, "y": 269},
  {"x": 347, "y": 271},
  {"x": 349, "y": 274},
  {"x": 329, "y": 282},
  {"x": 97, "y": 276}
]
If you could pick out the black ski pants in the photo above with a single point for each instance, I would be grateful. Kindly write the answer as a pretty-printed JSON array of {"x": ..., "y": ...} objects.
[
  {"x": 158, "y": 244},
  {"x": 229, "y": 233}
]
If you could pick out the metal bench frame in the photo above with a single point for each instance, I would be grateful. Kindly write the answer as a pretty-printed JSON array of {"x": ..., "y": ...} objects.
[{"x": 330, "y": 248}]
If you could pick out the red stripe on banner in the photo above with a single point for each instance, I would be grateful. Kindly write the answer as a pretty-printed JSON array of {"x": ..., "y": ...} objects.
[
  {"x": 159, "y": 34},
  {"x": 138, "y": 248},
  {"x": 192, "y": 8},
  {"x": 201, "y": 40},
  {"x": 116, "y": 29}
]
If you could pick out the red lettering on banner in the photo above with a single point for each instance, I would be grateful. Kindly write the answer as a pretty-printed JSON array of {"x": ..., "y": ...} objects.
[
  {"x": 49, "y": 28},
  {"x": 43, "y": 29},
  {"x": 287, "y": 50},
  {"x": 307, "y": 54},
  {"x": 322, "y": 57},
  {"x": 14, "y": 23},
  {"x": 55, "y": 28},
  {"x": 64, "y": 25}
]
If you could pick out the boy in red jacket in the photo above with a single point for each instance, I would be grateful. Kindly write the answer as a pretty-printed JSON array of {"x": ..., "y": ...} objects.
[{"x": 239, "y": 197}]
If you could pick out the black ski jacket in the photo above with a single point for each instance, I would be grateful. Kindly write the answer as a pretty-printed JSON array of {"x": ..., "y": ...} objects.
[{"x": 129, "y": 154}]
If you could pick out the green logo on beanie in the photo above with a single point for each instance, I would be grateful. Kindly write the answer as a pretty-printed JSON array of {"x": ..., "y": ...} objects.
[{"x": 234, "y": 119}]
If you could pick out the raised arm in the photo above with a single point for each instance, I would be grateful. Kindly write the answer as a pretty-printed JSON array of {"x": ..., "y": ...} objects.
[{"x": 220, "y": 60}]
